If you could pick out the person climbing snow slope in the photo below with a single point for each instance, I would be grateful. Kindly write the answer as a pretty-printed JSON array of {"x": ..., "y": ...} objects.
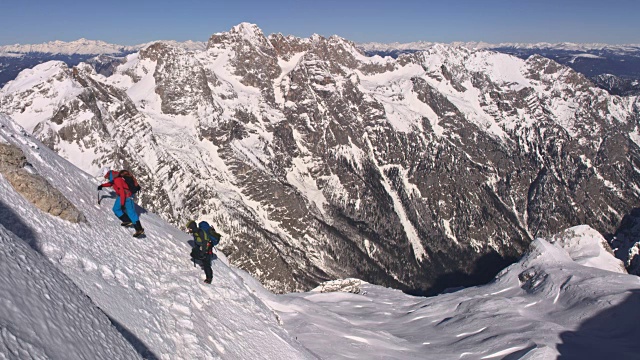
[
  {"x": 124, "y": 206},
  {"x": 202, "y": 248}
]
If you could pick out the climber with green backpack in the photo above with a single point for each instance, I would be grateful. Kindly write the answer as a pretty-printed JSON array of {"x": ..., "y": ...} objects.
[{"x": 205, "y": 238}]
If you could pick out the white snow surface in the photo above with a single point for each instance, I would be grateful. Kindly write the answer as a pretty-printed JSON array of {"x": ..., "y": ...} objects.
[
  {"x": 546, "y": 306},
  {"x": 148, "y": 286},
  {"x": 44, "y": 314}
]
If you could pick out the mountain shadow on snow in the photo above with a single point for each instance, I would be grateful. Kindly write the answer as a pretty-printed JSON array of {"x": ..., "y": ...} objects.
[
  {"x": 137, "y": 344},
  {"x": 10, "y": 220},
  {"x": 611, "y": 334}
]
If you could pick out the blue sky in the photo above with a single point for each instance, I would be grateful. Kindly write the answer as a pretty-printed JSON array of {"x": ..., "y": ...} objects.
[{"x": 133, "y": 22}]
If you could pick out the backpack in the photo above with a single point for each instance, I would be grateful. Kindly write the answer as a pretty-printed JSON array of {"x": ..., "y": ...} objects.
[
  {"x": 131, "y": 181},
  {"x": 210, "y": 232}
]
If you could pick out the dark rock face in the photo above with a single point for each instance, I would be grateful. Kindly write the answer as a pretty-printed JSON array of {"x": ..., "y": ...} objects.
[
  {"x": 618, "y": 86},
  {"x": 434, "y": 170},
  {"x": 181, "y": 81}
]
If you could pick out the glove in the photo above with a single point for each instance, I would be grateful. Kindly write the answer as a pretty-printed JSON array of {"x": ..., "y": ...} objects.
[{"x": 99, "y": 187}]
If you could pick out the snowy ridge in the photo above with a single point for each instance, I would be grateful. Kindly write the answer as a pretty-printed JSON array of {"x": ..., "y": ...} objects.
[
  {"x": 546, "y": 306},
  {"x": 188, "y": 45},
  {"x": 147, "y": 286}
]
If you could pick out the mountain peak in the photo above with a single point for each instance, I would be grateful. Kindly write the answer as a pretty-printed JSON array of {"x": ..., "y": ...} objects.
[
  {"x": 242, "y": 33},
  {"x": 248, "y": 31}
]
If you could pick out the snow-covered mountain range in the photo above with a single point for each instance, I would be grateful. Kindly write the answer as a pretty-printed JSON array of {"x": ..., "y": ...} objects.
[
  {"x": 90, "y": 290},
  {"x": 615, "y": 68},
  {"x": 77, "y": 47},
  {"x": 629, "y": 49},
  {"x": 88, "y": 47},
  {"x": 317, "y": 162},
  {"x": 15, "y": 58}
]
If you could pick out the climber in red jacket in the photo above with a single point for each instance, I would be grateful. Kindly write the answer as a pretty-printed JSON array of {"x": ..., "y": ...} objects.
[{"x": 124, "y": 199}]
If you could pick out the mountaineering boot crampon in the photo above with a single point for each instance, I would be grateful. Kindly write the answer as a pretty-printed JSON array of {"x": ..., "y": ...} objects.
[
  {"x": 139, "y": 230},
  {"x": 207, "y": 281}
]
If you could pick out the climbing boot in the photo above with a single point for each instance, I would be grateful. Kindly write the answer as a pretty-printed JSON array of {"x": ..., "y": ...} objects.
[{"x": 139, "y": 230}]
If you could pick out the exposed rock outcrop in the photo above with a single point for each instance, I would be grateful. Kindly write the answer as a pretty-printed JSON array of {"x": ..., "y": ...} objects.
[{"x": 34, "y": 187}]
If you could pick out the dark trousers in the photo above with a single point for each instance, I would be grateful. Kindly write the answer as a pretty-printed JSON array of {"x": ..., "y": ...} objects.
[
  {"x": 206, "y": 265},
  {"x": 196, "y": 255}
]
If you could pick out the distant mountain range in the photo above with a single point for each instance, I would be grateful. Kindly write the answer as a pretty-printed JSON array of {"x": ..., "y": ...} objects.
[
  {"x": 630, "y": 49},
  {"x": 15, "y": 58},
  {"x": 88, "y": 47},
  {"x": 615, "y": 68}
]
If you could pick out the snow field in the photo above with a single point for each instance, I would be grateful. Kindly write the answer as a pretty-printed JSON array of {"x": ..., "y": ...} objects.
[
  {"x": 45, "y": 315},
  {"x": 568, "y": 298}
]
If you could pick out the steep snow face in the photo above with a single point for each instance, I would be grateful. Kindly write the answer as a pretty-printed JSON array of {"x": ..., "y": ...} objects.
[
  {"x": 320, "y": 162},
  {"x": 587, "y": 247},
  {"x": 43, "y": 313},
  {"x": 147, "y": 287},
  {"x": 560, "y": 300},
  {"x": 54, "y": 86}
]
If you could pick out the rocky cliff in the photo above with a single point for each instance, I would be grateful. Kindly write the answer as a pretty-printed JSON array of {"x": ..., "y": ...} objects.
[{"x": 317, "y": 162}]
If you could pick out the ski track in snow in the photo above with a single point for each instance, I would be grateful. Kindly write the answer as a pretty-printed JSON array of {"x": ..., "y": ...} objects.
[{"x": 148, "y": 286}]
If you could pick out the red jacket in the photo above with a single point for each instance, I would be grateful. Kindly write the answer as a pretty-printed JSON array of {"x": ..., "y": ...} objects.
[{"x": 119, "y": 186}]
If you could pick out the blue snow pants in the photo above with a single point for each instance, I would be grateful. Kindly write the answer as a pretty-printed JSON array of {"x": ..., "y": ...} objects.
[{"x": 129, "y": 208}]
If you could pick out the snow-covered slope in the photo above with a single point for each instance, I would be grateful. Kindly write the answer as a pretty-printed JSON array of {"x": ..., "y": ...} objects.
[
  {"x": 43, "y": 314},
  {"x": 148, "y": 287},
  {"x": 559, "y": 301}
]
